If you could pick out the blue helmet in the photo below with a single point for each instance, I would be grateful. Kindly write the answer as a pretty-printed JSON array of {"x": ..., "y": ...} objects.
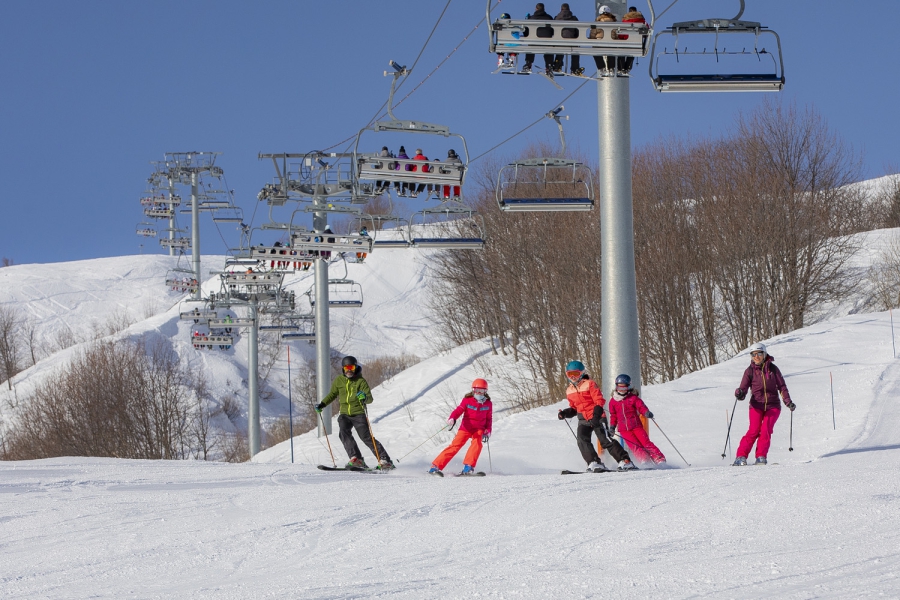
[
  {"x": 623, "y": 379},
  {"x": 575, "y": 365}
]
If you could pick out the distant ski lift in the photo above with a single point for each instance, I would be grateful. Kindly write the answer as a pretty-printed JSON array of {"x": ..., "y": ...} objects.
[
  {"x": 182, "y": 280},
  {"x": 546, "y": 184},
  {"x": 146, "y": 230},
  {"x": 159, "y": 212},
  {"x": 342, "y": 293},
  {"x": 315, "y": 243},
  {"x": 179, "y": 242},
  {"x": 252, "y": 279},
  {"x": 228, "y": 323},
  {"x": 198, "y": 315},
  {"x": 156, "y": 199},
  {"x": 434, "y": 176},
  {"x": 394, "y": 237},
  {"x": 208, "y": 341},
  {"x": 569, "y": 37},
  {"x": 767, "y": 77},
  {"x": 454, "y": 227}
]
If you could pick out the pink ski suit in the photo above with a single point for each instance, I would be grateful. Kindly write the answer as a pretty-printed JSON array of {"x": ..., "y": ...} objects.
[
  {"x": 477, "y": 419},
  {"x": 624, "y": 411},
  {"x": 764, "y": 383}
]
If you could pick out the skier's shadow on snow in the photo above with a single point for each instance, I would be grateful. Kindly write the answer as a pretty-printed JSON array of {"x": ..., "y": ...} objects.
[{"x": 866, "y": 449}]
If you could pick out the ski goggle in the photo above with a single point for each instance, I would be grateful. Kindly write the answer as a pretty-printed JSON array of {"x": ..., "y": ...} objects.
[
  {"x": 482, "y": 391},
  {"x": 574, "y": 374},
  {"x": 621, "y": 386},
  {"x": 756, "y": 353},
  {"x": 349, "y": 368}
]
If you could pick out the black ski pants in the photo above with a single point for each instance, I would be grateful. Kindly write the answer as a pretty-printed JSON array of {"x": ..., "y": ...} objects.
[
  {"x": 346, "y": 425},
  {"x": 597, "y": 425}
]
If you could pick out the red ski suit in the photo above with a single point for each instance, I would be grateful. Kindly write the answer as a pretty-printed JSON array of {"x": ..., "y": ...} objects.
[
  {"x": 477, "y": 419},
  {"x": 625, "y": 412}
]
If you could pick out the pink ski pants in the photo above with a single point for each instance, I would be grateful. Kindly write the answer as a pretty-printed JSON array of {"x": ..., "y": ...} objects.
[
  {"x": 640, "y": 445},
  {"x": 458, "y": 442},
  {"x": 762, "y": 424}
]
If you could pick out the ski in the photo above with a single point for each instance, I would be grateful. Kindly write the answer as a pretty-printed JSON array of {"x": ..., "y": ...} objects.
[
  {"x": 349, "y": 469},
  {"x": 549, "y": 77},
  {"x": 475, "y": 474}
]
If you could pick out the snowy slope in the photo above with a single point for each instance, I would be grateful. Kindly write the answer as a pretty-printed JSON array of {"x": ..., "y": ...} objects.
[{"x": 822, "y": 523}]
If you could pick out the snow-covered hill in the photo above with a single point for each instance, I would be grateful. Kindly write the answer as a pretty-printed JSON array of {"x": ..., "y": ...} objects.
[{"x": 822, "y": 522}]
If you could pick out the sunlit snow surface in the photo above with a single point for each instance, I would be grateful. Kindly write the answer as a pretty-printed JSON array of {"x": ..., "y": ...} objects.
[{"x": 824, "y": 522}]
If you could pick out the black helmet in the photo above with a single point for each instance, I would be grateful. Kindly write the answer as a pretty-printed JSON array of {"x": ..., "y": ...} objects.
[{"x": 349, "y": 365}]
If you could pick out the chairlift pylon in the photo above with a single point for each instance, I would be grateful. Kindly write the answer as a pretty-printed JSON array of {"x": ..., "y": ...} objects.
[
  {"x": 546, "y": 183},
  {"x": 769, "y": 80}
]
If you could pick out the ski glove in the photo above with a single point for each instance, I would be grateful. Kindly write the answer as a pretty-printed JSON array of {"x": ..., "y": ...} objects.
[
  {"x": 566, "y": 413},
  {"x": 485, "y": 438},
  {"x": 611, "y": 432},
  {"x": 649, "y": 415},
  {"x": 451, "y": 422},
  {"x": 740, "y": 394},
  {"x": 320, "y": 407},
  {"x": 791, "y": 406},
  {"x": 361, "y": 396}
]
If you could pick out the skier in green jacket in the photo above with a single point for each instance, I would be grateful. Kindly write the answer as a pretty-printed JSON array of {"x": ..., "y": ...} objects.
[{"x": 353, "y": 391}]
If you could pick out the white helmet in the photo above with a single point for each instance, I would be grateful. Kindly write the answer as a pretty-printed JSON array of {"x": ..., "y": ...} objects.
[{"x": 758, "y": 347}]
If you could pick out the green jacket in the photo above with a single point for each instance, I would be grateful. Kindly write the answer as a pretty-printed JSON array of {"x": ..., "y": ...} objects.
[{"x": 346, "y": 390}]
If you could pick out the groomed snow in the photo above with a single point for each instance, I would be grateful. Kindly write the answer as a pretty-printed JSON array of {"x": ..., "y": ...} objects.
[{"x": 821, "y": 523}]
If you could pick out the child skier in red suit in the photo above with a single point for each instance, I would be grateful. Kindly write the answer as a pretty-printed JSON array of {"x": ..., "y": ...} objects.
[
  {"x": 625, "y": 408},
  {"x": 477, "y": 417}
]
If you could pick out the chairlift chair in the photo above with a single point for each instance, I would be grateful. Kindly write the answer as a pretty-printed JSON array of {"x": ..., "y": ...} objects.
[
  {"x": 436, "y": 176},
  {"x": 446, "y": 232},
  {"x": 197, "y": 315},
  {"x": 770, "y": 80},
  {"x": 548, "y": 183},
  {"x": 342, "y": 293},
  {"x": 222, "y": 342},
  {"x": 546, "y": 37},
  {"x": 158, "y": 212},
  {"x": 183, "y": 280},
  {"x": 180, "y": 242},
  {"x": 146, "y": 230}
]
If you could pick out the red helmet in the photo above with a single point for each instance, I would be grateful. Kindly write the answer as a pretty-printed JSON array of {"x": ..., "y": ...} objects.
[{"x": 479, "y": 384}]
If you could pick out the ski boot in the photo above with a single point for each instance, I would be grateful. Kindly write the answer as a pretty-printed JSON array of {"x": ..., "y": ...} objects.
[
  {"x": 467, "y": 470},
  {"x": 760, "y": 460},
  {"x": 526, "y": 68},
  {"x": 596, "y": 467},
  {"x": 385, "y": 464},
  {"x": 626, "y": 465},
  {"x": 435, "y": 471},
  {"x": 740, "y": 461},
  {"x": 357, "y": 463}
]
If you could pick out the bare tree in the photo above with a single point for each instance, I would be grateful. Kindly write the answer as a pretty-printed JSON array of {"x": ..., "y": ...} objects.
[{"x": 10, "y": 338}]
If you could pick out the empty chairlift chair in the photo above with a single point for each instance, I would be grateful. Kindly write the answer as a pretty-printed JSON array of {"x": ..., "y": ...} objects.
[
  {"x": 726, "y": 64},
  {"x": 546, "y": 183}
]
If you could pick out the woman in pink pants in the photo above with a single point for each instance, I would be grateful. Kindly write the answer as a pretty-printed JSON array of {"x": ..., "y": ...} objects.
[
  {"x": 764, "y": 382},
  {"x": 625, "y": 410}
]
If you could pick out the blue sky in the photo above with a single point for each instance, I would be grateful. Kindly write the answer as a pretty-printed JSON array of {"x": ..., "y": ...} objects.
[{"x": 92, "y": 91}]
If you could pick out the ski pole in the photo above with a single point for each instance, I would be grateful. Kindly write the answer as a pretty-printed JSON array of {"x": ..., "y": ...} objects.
[
  {"x": 490, "y": 462},
  {"x": 290, "y": 406},
  {"x": 325, "y": 430},
  {"x": 791, "y": 443},
  {"x": 570, "y": 429},
  {"x": 371, "y": 435},
  {"x": 423, "y": 443},
  {"x": 728, "y": 436},
  {"x": 670, "y": 441}
]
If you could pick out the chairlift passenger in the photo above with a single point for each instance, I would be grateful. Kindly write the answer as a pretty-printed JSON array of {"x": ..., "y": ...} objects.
[
  {"x": 453, "y": 158},
  {"x": 542, "y": 32},
  {"x": 605, "y": 64},
  {"x": 401, "y": 187},
  {"x": 506, "y": 60},
  {"x": 565, "y": 14},
  {"x": 361, "y": 256},
  {"x": 425, "y": 169}
]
